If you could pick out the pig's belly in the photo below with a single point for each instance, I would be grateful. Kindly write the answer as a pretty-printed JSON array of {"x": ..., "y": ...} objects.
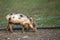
[{"x": 15, "y": 21}]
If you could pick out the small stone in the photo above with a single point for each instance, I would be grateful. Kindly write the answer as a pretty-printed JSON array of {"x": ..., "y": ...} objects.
[
  {"x": 25, "y": 37},
  {"x": 8, "y": 38},
  {"x": 19, "y": 38}
]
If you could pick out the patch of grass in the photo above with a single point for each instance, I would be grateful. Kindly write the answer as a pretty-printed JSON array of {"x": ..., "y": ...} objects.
[{"x": 34, "y": 8}]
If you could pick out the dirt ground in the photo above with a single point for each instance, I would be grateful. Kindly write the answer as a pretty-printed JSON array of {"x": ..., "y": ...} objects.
[{"x": 40, "y": 34}]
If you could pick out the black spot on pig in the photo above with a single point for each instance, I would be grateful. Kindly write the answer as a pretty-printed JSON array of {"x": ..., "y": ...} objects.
[
  {"x": 21, "y": 15},
  {"x": 9, "y": 18},
  {"x": 11, "y": 14},
  {"x": 13, "y": 17},
  {"x": 19, "y": 18}
]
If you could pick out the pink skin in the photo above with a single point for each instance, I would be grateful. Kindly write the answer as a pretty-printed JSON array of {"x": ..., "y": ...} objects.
[{"x": 24, "y": 21}]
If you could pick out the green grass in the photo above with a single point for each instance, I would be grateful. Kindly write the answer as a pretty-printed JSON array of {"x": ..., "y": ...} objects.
[{"x": 34, "y": 8}]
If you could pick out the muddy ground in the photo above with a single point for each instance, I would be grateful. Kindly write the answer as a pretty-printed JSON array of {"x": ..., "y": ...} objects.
[{"x": 40, "y": 34}]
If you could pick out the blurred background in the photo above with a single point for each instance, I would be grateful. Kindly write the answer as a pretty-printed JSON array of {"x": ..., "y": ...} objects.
[{"x": 44, "y": 12}]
